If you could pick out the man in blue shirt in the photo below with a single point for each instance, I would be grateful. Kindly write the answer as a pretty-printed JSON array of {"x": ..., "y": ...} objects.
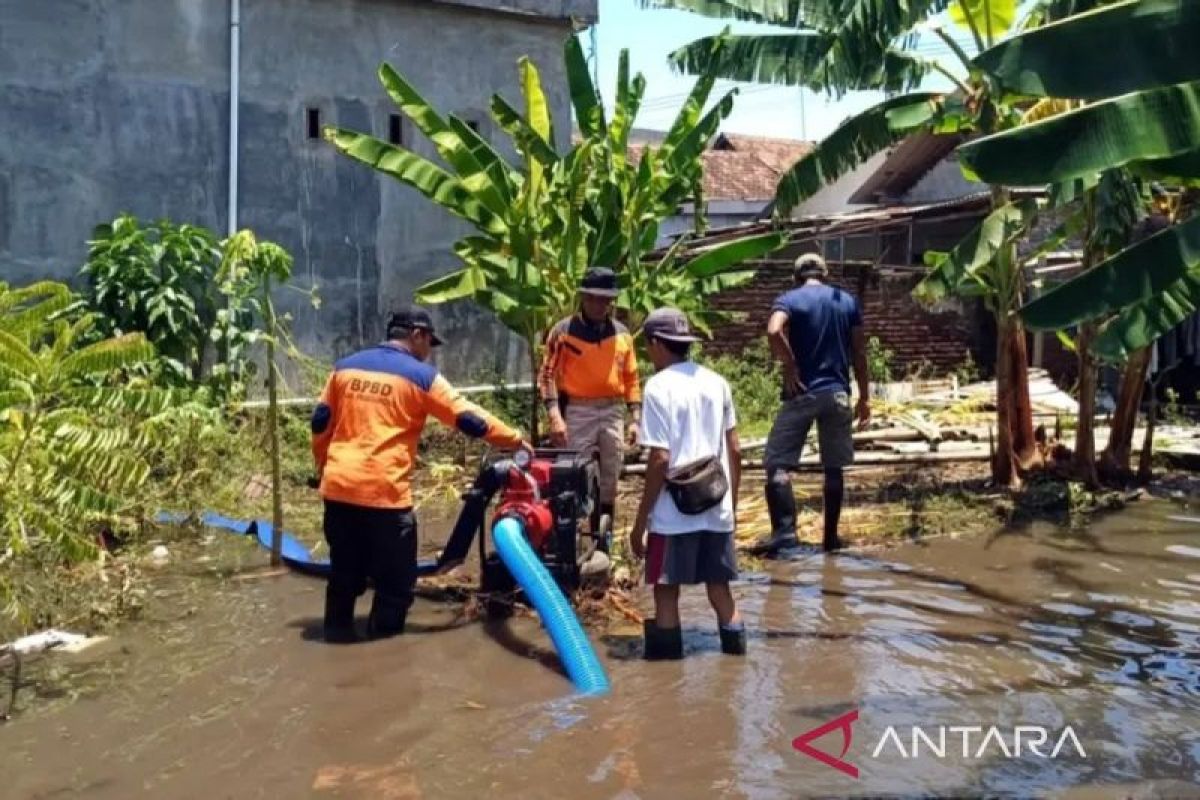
[{"x": 816, "y": 334}]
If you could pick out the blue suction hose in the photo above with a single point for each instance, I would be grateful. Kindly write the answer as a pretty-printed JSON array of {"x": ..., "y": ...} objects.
[{"x": 574, "y": 649}]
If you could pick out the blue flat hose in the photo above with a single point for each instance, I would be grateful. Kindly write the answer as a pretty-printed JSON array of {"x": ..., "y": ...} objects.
[{"x": 574, "y": 649}]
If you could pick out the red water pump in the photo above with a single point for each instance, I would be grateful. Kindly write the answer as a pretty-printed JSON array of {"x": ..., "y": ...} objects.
[
  {"x": 525, "y": 496},
  {"x": 553, "y": 493}
]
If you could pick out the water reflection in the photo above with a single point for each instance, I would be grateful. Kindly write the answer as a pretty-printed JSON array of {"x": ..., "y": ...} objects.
[{"x": 1095, "y": 629}]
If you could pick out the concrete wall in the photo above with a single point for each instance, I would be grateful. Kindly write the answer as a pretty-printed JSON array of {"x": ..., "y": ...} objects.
[{"x": 122, "y": 105}]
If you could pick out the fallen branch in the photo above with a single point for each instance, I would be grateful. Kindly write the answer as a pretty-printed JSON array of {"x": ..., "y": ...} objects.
[{"x": 863, "y": 460}]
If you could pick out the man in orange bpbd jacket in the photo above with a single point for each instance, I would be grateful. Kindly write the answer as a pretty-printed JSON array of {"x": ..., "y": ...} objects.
[
  {"x": 364, "y": 438},
  {"x": 588, "y": 379}
]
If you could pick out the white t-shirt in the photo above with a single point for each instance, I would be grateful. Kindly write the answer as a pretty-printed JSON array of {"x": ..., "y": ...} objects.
[{"x": 687, "y": 410}]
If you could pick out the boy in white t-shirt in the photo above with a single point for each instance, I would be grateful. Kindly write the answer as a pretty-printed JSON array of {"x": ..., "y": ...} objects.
[{"x": 687, "y": 416}]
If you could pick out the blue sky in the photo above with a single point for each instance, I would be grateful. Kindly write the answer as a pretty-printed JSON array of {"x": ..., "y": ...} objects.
[{"x": 759, "y": 110}]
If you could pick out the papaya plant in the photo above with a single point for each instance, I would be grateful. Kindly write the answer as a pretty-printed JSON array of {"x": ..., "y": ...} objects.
[{"x": 250, "y": 271}]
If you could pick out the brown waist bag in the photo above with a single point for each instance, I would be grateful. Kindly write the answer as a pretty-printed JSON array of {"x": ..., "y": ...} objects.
[{"x": 698, "y": 486}]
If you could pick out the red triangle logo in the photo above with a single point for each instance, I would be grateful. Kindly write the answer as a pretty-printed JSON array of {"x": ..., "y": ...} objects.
[{"x": 844, "y": 723}]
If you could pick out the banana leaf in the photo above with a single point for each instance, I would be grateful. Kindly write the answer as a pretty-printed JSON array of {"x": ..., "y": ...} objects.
[
  {"x": 692, "y": 108},
  {"x": 1135, "y": 275},
  {"x": 1182, "y": 168},
  {"x": 719, "y": 259},
  {"x": 496, "y": 169},
  {"x": 1131, "y": 46},
  {"x": 625, "y": 110},
  {"x": 1155, "y": 124},
  {"x": 965, "y": 263},
  {"x": 537, "y": 116},
  {"x": 463, "y": 158},
  {"x": 807, "y": 58},
  {"x": 780, "y": 12},
  {"x": 528, "y": 141},
  {"x": 458, "y": 285},
  {"x": 426, "y": 177},
  {"x": 589, "y": 110},
  {"x": 863, "y": 28},
  {"x": 1142, "y": 323},
  {"x": 854, "y": 141},
  {"x": 695, "y": 140}
]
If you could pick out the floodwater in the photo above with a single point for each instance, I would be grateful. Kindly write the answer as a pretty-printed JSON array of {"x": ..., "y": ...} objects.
[{"x": 1041, "y": 628}]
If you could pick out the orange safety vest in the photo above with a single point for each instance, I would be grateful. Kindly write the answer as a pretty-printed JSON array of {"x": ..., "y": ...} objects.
[
  {"x": 590, "y": 361},
  {"x": 369, "y": 419}
]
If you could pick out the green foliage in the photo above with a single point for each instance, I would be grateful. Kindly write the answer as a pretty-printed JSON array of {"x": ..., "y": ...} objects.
[
  {"x": 754, "y": 377},
  {"x": 540, "y": 224},
  {"x": 879, "y": 361},
  {"x": 73, "y": 446},
  {"x": 158, "y": 280},
  {"x": 1152, "y": 40},
  {"x": 250, "y": 270},
  {"x": 973, "y": 268},
  {"x": 826, "y": 45},
  {"x": 199, "y": 300},
  {"x": 968, "y": 370}
]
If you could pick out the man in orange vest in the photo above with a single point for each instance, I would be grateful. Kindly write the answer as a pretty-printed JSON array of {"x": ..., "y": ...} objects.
[
  {"x": 365, "y": 431},
  {"x": 588, "y": 380}
]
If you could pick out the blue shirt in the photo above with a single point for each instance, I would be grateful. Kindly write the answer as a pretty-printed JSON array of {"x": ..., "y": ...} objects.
[{"x": 819, "y": 321}]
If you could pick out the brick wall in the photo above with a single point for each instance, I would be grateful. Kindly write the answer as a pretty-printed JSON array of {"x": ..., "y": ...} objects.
[{"x": 942, "y": 338}]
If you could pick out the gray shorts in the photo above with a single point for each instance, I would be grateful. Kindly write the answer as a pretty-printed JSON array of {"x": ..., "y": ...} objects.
[
  {"x": 831, "y": 411},
  {"x": 701, "y": 557}
]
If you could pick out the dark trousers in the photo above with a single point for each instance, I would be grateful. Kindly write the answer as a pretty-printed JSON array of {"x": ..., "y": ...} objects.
[{"x": 379, "y": 543}]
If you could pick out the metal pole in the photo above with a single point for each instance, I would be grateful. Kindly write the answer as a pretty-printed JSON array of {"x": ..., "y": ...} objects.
[{"x": 235, "y": 26}]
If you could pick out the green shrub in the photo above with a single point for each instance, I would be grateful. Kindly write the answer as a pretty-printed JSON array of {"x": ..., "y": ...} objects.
[
  {"x": 879, "y": 361},
  {"x": 160, "y": 280},
  {"x": 756, "y": 383}
]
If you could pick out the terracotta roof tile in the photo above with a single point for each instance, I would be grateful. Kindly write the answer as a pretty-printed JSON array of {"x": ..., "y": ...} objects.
[{"x": 744, "y": 167}]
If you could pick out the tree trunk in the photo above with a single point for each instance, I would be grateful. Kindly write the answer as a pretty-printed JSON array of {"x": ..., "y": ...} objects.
[
  {"x": 536, "y": 397},
  {"x": 1114, "y": 461},
  {"x": 1021, "y": 421},
  {"x": 273, "y": 433},
  {"x": 1145, "y": 461},
  {"x": 1015, "y": 445},
  {"x": 1004, "y": 464},
  {"x": 1084, "y": 462}
]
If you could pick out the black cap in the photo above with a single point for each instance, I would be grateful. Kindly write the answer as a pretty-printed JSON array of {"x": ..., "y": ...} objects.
[
  {"x": 413, "y": 318},
  {"x": 670, "y": 324},
  {"x": 600, "y": 281}
]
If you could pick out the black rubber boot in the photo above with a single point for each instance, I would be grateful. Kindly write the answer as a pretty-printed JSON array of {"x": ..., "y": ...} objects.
[
  {"x": 733, "y": 639},
  {"x": 781, "y": 505},
  {"x": 662, "y": 644},
  {"x": 387, "y": 619},
  {"x": 339, "y": 617}
]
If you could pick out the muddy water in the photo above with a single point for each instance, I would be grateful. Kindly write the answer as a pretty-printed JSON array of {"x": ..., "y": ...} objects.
[{"x": 1042, "y": 628}]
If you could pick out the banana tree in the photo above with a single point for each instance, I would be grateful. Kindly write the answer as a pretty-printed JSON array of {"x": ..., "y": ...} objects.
[
  {"x": 541, "y": 223},
  {"x": 837, "y": 46},
  {"x": 1143, "y": 119}
]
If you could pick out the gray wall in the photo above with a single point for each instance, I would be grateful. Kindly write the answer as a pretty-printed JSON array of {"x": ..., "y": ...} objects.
[{"x": 122, "y": 105}]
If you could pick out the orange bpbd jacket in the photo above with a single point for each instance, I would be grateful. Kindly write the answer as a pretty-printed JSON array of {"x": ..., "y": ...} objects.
[
  {"x": 590, "y": 362},
  {"x": 366, "y": 426}
]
